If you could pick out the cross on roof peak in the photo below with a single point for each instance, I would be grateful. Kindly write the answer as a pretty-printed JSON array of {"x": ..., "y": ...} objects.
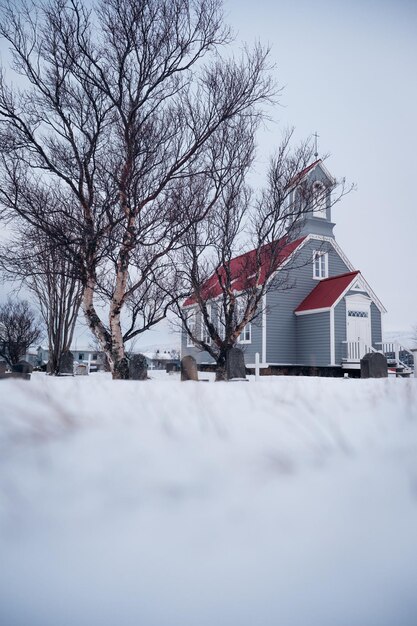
[{"x": 316, "y": 152}]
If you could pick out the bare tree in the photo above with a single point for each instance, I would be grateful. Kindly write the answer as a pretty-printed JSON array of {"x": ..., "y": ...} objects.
[
  {"x": 227, "y": 287},
  {"x": 120, "y": 106},
  {"x": 34, "y": 259},
  {"x": 19, "y": 329}
]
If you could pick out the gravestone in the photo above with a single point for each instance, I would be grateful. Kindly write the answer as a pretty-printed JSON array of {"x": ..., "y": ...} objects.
[
  {"x": 172, "y": 367},
  {"x": 66, "y": 363},
  {"x": 189, "y": 368},
  {"x": 81, "y": 369},
  {"x": 138, "y": 367},
  {"x": 3, "y": 367},
  {"x": 235, "y": 364},
  {"x": 22, "y": 367},
  {"x": 374, "y": 365}
]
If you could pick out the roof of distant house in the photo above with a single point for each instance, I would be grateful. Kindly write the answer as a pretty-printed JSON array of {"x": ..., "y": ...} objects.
[
  {"x": 326, "y": 292},
  {"x": 243, "y": 269},
  {"x": 162, "y": 355}
]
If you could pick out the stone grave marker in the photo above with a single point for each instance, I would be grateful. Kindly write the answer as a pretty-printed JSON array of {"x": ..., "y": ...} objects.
[
  {"x": 189, "y": 368},
  {"x": 235, "y": 364},
  {"x": 81, "y": 369},
  {"x": 66, "y": 363},
  {"x": 374, "y": 365},
  {"x": 22, "y": 367},
  {"x": 138, "y": 367}
]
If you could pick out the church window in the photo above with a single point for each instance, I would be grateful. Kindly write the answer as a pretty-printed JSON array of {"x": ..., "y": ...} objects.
[
  {"x": 205, "y": 336},
  {"x": 320, "y": 265},
  {"x": 246, "y": 334},
  {"x": 192, "y": 325}
]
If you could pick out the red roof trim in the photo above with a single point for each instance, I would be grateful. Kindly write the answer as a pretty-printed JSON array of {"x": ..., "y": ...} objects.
[
  {"x": 243, "y": 268},
  {"x": 325, "y": 294},
  {"x": 298, "y": 177}
]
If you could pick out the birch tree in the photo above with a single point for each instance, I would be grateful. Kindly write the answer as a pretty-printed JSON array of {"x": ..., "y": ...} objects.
[{"x": 117, "y": 105}]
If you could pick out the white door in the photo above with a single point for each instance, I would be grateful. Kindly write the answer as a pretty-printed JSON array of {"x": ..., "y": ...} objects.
[{"x": 358, "y": 326}]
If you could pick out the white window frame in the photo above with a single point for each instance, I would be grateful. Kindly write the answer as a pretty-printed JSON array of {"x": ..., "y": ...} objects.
[
  {"x": 192, "y": 326},
  {"x": 220, "y": 321},
  {"x": 246, "y": 334},
  {"x": 320, "y": 264},
  {"x": 204, "y": 332},
  {"x": 319, "y": 200}
]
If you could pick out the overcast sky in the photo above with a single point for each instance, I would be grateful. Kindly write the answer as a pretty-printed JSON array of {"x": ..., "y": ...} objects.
[{"x": 348, "y": 69}]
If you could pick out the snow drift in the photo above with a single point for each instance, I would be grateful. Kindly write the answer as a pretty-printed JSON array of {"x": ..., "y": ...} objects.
[{"x": 289, "y": 501}]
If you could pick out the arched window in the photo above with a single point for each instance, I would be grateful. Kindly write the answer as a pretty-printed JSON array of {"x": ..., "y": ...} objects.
[{"x": 319, "y": 200}]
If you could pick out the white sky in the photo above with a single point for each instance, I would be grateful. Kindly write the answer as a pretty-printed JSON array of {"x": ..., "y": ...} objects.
[{"x": 349, "y": 70}]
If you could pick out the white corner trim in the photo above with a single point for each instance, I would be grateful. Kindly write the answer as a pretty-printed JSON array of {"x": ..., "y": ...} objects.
[
  {"x": 312, "y": 311},
  {"x": 332, "y": 339},
  {"x": 264, "y": 328}
]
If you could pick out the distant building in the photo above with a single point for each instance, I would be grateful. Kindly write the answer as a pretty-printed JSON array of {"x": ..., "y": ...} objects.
[
  {"x": 93, "y": 359},
  {"x": 161, "y": 359}
]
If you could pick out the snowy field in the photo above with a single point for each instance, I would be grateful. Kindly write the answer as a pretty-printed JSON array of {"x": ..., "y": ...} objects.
[{"x": 284, "y": 502}]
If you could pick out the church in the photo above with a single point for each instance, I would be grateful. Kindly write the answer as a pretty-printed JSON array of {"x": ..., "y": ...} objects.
[{"x": 328, "y": 320}]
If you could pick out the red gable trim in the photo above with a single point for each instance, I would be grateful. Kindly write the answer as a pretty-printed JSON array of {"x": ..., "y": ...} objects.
[
  {"x": 242, "y": 269},
  {"x": 299, "y": 177},
  {"x": 325, "y": 294}
]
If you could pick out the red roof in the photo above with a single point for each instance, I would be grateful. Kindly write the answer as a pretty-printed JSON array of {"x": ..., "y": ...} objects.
[
  {"x": 325, "y": 294},
  {"x": 244, "y": 267},
  {"x": 298, "y": 177}
]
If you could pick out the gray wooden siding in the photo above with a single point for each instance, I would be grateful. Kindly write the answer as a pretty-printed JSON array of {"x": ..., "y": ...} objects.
[
  {"x": 313, "y": 339},
  {"x": 340, "y": 331},
  {"x": 281, "y": 320},
  {"x": 249, "y": 349},
  {"x": 376, "y": 326},
  {"x": 282, "y": 346}
]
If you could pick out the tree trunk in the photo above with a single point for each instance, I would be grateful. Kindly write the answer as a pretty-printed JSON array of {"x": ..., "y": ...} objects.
[
  {"x": 95, "y": 324},
  {"x": 120, "y": 362},
  {"x": 110, "y": 342},
  {"x": 221, "y": 374}
]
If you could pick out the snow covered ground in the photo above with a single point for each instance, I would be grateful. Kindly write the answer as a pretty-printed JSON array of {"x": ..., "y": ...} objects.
[{"x": 284, "y": 502}]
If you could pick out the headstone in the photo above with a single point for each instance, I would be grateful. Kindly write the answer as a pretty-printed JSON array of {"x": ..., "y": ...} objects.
[
  {"x": 3, "y": 367},
  {"x": 235, "y": 364},
  {"x": 22, "y": 367},
  {"x": 81, "y": 369},
  {"x": 138, "y": 367},
  {"x": 66, "y": 363},
  {"x": 189, "y": 368},
  {"x": 374, "y": 365}
]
